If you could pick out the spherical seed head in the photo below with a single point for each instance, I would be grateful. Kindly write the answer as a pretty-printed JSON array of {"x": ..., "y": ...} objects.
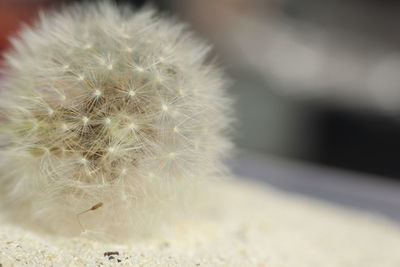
[{"x": 93, "y": 104}]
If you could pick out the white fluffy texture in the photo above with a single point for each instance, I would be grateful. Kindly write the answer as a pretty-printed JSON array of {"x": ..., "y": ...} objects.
[{"x": 105, "y": 105}]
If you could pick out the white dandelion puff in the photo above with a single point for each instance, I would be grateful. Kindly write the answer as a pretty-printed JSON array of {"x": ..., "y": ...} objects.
[{"x": 104, "y": 105}]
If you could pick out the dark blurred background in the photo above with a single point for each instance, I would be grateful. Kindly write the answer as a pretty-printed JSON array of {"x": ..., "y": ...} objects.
[{"x": 315, "y": 80}]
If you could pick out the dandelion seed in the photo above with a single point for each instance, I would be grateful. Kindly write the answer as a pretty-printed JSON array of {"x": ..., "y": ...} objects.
[
  {"x": 85, "y": 120},
  {"x": 97, "y": 92},
  {"x": 95, "y": 207},
  {"x": 64, "y": 127},
  {"x": 83, "y": 161},
  {"x": 132, "y": 126},
  {"x": 112, "y": 149}
]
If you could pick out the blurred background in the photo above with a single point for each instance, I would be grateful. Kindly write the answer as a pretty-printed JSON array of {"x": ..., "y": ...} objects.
[{"x": 317, "y": 88}]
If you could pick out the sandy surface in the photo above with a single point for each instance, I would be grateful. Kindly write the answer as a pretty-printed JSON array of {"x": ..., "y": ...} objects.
[{"x": 235, "y": 225}]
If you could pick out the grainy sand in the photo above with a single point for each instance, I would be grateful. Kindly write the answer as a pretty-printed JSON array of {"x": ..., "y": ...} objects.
[{"x": 236, "y": 225}]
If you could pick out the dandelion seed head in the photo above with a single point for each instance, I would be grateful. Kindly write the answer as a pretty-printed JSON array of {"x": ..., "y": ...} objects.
[{"x": 94, "y": 111}]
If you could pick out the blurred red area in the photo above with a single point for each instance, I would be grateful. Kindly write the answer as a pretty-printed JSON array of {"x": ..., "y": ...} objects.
[{"x": 13, "y": 13}]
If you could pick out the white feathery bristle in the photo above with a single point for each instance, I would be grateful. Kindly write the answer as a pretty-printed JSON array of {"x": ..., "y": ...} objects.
[{"x": 105, "y": 105}]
